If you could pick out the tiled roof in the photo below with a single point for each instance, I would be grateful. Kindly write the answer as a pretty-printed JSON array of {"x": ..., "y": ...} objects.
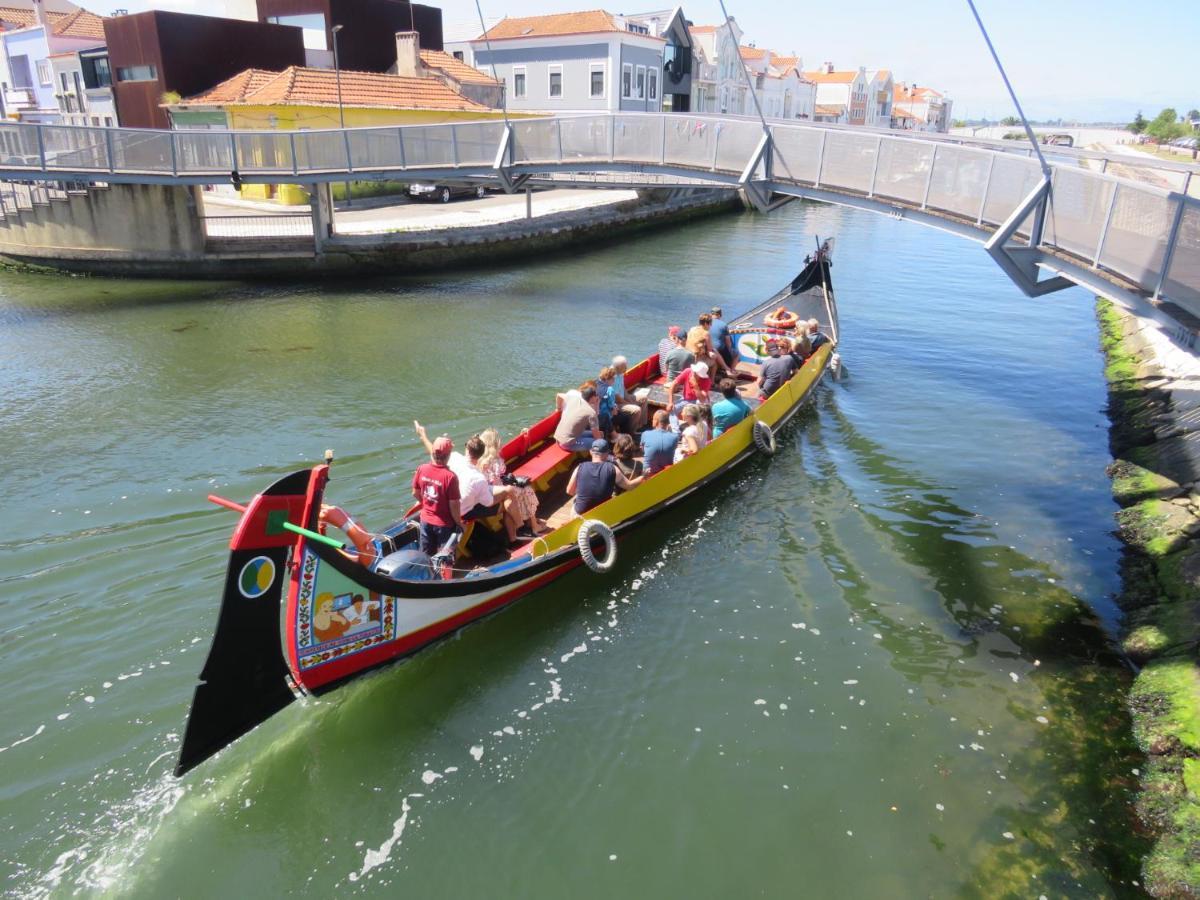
[
  {"x": 752, "y": 52},
  {"x": 77, "y": 24},
  {"x": 829, "y": 109},
  {"x": 703, "y": 29},
  {"x": 591, "y": 21},
  {"x": 881, "y": 75},
  {"x": 823, "y": 77},
  {"x": 784, "y": 62},
  {"x": 455, "y": 68},
  {"x": 297, "y": 86}
]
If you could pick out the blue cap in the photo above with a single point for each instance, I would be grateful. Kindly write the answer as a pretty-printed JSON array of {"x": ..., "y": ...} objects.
[{"x": 600, "y": 445}]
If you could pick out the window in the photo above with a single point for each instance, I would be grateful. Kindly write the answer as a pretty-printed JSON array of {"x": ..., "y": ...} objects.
[
  {"x": 79, "y": 96},
  {"x": 22, "y": 78},
  {"x": 137, "y": 73},
  {"x": 458, "y": 54},
  {"x": 597, "y": 83},
  {"x": 108, "y": 121},
  {"x": 653, "y": 75},
  {"x": 641, "y": 82},
  {"x": 556, "y": 85},
  {"x": 313, "y": 29},
  {"x": 627, "y": 81},
  {"x": 63, "y": 99},
  {"x": 96, "y": 73},
  {"x": 519, "y": 82},
  {"x": 45, "y": 76}
]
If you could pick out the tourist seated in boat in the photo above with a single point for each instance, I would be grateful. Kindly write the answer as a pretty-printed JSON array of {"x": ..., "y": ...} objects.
[
  {"x": 596, "y": 480},
  {"x": 692, "y": 386},
  {"x": 694, "y": 436},
  {"x": 720, "y": 338},
  {"x": 521, "y": 498},
  {"x": 579, "y": 424},
  {"x": 624, "y": 456},
  {"x": 776, "y": 369},
  {"x": 815, "y": 337},
  {"x": 666, "y": 345},
  {"x": 678, "y": 359},
  {"x": 477, "y": 498},
  {"x": 801, "y": 350},
  {"x": 630, "y": 414},
  {"x": 436, "y": 488},
  {"x": 658, "y": 444},
  {"x": 730, "y": 409},
  {"x": 699, "y": 332}
]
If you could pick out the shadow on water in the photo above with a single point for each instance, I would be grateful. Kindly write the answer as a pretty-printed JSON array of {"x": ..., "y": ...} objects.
[{"x": 1077, "y": 774}]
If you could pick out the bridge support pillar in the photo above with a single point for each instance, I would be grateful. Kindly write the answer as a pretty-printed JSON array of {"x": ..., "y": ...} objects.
[{"x": 320, "y": 201}]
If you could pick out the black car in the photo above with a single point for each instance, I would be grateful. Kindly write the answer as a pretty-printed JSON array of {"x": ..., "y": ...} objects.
[{"x": 445, "y": 192}]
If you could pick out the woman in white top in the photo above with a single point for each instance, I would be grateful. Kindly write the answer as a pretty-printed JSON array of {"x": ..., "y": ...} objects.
[{"x": 695, "y": 432}]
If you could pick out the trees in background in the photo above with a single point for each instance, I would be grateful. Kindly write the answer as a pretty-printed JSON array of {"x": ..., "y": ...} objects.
[{"x": 1166, "y": 126}]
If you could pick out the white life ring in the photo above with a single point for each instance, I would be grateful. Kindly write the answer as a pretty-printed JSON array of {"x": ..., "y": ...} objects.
[
  {"x": 589, "y": 529},
  {"x": 764, "y": 438}
]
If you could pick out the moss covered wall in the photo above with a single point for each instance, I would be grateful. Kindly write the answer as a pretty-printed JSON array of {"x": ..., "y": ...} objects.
[{"x": 1156, "y": 481}]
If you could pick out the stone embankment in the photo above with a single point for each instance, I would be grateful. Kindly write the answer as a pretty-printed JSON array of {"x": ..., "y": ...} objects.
[
  {"x": 158, "y": 231},
  {"x": 1154, "y": 405}
]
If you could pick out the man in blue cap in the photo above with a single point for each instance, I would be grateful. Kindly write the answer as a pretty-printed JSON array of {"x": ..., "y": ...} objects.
[{"x": 595, "y": 481}]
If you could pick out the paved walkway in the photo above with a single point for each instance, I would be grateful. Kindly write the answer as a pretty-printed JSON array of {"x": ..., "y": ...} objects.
[{"x": 239, "y": 218}]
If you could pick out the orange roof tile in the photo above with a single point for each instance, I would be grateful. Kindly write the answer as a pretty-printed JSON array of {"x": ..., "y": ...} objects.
[
  {"x": 883, "y": 74},
  {"x": 784, "y": 62},
  {"x": 752, "y": 52},
  {"x": 830, "y": 109},
  {"x": 77, "y": 24},
  {"x": 297, "y": 86},
  {"x": 823, "y": 77},
  {"x": 588, "y": 22},
  {"x": 703, "y": 29},
  {"x": 455, "y": 68}
]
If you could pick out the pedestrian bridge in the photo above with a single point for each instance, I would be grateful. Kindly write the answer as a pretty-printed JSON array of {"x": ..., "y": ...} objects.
[{"x": 1079, "y": 219}]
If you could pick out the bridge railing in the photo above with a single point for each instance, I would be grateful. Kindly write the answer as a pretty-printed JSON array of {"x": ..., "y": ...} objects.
[{"x": 1145, "y": 234}]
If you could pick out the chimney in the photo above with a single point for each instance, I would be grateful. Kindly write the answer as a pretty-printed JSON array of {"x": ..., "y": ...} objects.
[
  {"x": 828, "y": 67},
  {"x": 39, "y": 12},
  {"x": 408, "y": 54}
]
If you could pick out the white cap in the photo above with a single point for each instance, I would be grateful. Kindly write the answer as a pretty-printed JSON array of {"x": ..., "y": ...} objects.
[{"x": 701, "y": 369}]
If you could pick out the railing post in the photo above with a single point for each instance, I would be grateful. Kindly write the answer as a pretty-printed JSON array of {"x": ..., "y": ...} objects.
[
  {"x": 1104, "y": 165},
  {"x": 108, "y": 145},
  {"x": 612, "y": 138},
  {"x": 454, "y": 144},
  {"x": 875, "y": 167},
  {"x": 400, "y": 140},
  {"x": 821, "y": 158},
  {"x": 929, "y": 177},
  {"x": 1112, "y": 202},
  {"x": 1172, "y": 237},
  {"x": 233, "y": 163},
  {"x": 716, "y": 145},
  {"x": 987, "y": 187},
  {"x": 174, "y": 154},
  {"x": 663, "y": 132},
  {"x": 558, "y": 134},
  {"x": 41, "y": 142},
  {"x": 292, "y": 150},
  {"x": 349, "y": 161},
  {"x": 1187, "y": 183}
]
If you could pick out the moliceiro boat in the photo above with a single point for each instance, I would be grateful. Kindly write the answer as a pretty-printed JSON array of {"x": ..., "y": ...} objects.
[{"x": 352, "y": 607}]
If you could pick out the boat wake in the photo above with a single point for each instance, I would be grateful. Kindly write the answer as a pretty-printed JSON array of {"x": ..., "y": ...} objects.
[{"x": 501, "y": 738}]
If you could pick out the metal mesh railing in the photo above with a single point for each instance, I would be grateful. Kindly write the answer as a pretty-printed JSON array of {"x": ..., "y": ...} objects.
[{"x": 1129, "y": 228}]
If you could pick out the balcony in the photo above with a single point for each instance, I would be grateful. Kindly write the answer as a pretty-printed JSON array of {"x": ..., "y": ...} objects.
[{"x": 20, "y": 99}]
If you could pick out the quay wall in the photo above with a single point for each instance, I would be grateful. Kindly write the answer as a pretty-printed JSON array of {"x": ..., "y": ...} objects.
[
  {"x": 120, "y": 222},
  {"x": 154, "y": 231},
  {"x": 1154, "y": 406}
]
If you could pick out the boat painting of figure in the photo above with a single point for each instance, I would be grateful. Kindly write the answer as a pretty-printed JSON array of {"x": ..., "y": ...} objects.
[{"x": 348, "y": 607}]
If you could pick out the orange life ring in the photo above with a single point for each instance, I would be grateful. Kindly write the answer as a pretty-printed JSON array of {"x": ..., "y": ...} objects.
[
  {"x": 781, "y": 318},
  {"x": 363, "y": 540}
]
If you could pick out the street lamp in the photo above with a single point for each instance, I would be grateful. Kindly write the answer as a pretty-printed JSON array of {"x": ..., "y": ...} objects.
[{"x": 337, "y": 74}]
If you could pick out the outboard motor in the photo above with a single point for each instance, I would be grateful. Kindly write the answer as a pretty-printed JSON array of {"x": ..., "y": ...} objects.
[{"x": 410, "y": 564}]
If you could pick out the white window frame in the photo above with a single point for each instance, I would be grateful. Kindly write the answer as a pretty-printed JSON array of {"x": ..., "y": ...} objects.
[
  {"x": 602, "y": 68},
  {"x": 520, "y": 70},
  {"x": 639, "y": 93},
  {"x": 562, "y": 87},
  {"x": 652, "y": 83},
  {"x": 627, "y": 86},
  {"x": 44, "y": 73}
]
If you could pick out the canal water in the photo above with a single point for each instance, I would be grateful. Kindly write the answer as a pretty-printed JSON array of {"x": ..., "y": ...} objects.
[{"x": 879, "y": 664}]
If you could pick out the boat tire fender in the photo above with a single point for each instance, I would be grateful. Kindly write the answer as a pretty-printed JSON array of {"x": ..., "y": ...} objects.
[
  {"x": 764, "y": 438},
  {"x": 594, "y": 528}
]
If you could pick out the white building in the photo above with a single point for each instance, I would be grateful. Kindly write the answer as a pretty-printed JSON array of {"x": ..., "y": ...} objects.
[
  {"x": 841, "y": 95},
  {"x": 718, "y": 85},
  {"x": 582, "y": 61},
  {"x": 29, "y": 36},
  {"x": 83, "y": 87},
  {"x": 879, "y": 99},
  {"x": 920, "y": 108}
]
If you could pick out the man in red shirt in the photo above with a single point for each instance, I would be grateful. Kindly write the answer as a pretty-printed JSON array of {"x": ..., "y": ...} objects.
[{"x": 436, "y": 488}]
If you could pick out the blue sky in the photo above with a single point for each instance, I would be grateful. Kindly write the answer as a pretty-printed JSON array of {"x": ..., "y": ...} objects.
[{"x": 1097, "y": 60}]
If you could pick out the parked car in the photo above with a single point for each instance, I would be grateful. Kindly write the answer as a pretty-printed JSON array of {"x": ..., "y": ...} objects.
[{"x": 445, "y": 192}]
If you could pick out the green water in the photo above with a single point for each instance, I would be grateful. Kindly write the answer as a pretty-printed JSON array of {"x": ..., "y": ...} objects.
[{"x": 878, "y": 665}]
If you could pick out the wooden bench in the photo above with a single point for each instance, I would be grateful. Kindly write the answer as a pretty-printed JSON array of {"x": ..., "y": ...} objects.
[{"x": 541, "y": 469}]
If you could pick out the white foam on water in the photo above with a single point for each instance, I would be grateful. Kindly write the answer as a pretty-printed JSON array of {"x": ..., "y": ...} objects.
[
  {"x": 374, "y": 858},
  {"x": 429, "y": 776},
  {"x": 24, "y": 740},
  {"x": 476, "y": 753}
]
